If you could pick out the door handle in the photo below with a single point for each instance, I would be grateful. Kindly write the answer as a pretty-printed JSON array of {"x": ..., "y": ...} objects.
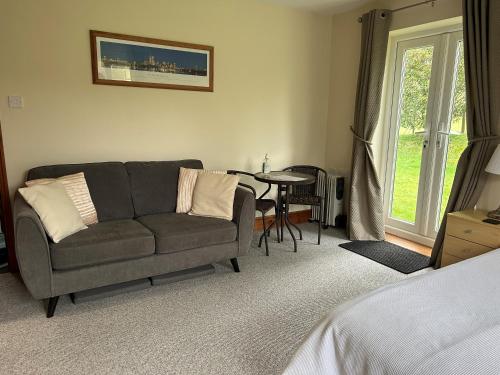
[
  {"x": 439, "y": 142},
  {"x": 425, "y": 134}
]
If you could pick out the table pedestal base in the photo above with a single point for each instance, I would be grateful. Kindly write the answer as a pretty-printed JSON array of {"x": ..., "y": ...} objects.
[{"x": 285, "y": 219}]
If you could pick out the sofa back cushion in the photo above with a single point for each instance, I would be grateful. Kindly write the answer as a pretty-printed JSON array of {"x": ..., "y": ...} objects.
[
  {"x": 107, "y": 182},
  {"x": 154, "y": 184}
]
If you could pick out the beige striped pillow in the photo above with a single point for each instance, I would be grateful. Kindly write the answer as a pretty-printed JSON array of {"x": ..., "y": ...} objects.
[
  {"x": 78, "y": 191},
  {"x": 185, "y": 188}
]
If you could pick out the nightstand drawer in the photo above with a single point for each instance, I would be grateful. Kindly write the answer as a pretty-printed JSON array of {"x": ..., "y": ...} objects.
[
  {"x": 462, "y": 249},
  {"x": 474, "y": 232}
]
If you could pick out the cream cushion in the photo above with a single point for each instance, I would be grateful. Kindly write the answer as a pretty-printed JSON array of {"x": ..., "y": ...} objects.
[
  {"x": 213, "y": 195},
  {"x": 58, "y": 214},
  {"x": 185, "y": 188},
  {"x": 78, "y": 191}
]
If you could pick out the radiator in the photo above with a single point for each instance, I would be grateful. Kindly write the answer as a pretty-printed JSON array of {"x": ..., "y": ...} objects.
[{"x": 334, "y": 201}]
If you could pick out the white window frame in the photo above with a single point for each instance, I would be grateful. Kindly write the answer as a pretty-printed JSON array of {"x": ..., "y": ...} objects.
[{"x": 386, "y": 144}]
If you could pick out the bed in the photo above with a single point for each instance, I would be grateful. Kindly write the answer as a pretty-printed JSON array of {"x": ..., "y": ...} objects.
[{"x": 441, "y": 322}]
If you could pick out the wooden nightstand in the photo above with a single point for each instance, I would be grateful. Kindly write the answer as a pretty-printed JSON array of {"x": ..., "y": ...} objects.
[{"x": 468, "y": 236}]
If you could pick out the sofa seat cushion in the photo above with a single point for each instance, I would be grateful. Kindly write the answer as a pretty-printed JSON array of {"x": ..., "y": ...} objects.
[
  {"x": 177, "y": 232},
  {"x": 101, "y": 243}
]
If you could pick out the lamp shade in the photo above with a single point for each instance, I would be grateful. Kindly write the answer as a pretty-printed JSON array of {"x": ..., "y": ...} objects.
[{"x": 494, "y": 164}]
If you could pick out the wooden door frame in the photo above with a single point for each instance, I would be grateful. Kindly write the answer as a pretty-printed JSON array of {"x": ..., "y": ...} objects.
[{"x": 7, "y": 222}]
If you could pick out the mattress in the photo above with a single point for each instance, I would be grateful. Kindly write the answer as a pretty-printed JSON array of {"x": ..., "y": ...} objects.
[{"x": 442, "y": 322}]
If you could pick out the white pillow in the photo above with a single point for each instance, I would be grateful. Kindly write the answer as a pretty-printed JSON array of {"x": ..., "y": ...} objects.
[
  {"x": 78, "y": 191},
  {"x": 185, "y": 188},
  {"x": 214, "y": 195},
  {"x": 58, "y": 214}
]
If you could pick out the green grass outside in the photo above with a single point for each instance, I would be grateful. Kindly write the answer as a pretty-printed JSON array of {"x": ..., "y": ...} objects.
[{"x": 408, "y": 172}]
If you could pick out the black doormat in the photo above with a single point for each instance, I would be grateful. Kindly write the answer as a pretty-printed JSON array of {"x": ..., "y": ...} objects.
[{"x": 390, "y": 255}]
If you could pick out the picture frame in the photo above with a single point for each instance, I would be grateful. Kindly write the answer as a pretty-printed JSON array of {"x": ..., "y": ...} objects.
[{"x": 127, "y": 60}]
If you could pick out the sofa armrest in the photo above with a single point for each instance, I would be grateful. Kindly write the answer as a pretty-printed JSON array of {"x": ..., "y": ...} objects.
[
  {"x": 244, "y": 217},
  {"x": 32, "y": 250}
]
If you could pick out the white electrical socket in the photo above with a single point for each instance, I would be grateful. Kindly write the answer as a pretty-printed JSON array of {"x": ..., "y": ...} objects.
[{"x": 16, "y": 101}]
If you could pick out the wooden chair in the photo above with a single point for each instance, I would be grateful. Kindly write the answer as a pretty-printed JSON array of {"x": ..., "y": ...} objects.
[
  {"x": 263, "y": 205},
  {"x": 308, "y": 195}
]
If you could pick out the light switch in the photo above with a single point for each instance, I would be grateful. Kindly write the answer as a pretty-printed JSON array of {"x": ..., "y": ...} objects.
[{"x": 16, "y": 101}]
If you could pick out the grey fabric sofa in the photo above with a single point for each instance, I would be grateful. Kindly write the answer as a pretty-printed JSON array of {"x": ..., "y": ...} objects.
[{"x": 139, "y": 234}]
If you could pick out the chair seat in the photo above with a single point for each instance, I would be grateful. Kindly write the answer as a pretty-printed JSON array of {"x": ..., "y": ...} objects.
[
  {"x": 104, "y": 242},
  {"x": 177, "y": 232},
  {"x": 313, "y": 200},
  {"x": 264, "y": 205}
]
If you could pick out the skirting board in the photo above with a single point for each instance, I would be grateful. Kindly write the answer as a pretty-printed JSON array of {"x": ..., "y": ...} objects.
[{"x": 296, "y": 217}]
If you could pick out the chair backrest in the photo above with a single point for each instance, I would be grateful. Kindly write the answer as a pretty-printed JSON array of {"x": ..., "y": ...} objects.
[
  {"x": 307, "y": 190},
  {"x": 235, "y": 172},
  {"x": 248, "y": 186}
]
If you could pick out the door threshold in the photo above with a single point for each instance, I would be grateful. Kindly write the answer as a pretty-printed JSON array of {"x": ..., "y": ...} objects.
[
  {"x": 408, "y": 244},
  {"x": 422, "y": 240}
]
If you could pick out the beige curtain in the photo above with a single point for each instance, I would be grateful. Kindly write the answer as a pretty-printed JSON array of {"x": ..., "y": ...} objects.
[
  {"x": 366, "y": 216},
  {"x": 482, "y": 78}
]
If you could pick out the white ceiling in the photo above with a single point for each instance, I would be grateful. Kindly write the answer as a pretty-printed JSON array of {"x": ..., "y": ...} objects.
[{"x": 323, "y": 6}]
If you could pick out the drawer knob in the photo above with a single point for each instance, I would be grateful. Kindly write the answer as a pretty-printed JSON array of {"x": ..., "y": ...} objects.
[{"x": 468, "y": 231}]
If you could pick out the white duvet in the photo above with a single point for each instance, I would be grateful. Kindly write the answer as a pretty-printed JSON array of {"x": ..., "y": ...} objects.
[{"x": 442, "y": 322}]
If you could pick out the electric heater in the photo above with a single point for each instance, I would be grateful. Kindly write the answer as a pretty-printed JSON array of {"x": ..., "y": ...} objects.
[{"x": 334, "y": 202}]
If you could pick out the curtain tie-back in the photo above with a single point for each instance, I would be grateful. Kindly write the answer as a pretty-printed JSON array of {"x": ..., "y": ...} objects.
[
  {"x": 481, "y": 139},
  {"x": 361, "y": 139}
]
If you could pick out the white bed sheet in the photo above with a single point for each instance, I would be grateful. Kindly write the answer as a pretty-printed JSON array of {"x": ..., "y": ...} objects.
[{"x": 442, "y": 322}]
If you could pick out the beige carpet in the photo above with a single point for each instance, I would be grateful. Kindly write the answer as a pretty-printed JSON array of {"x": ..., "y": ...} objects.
[{"x": 225, "y": 323}]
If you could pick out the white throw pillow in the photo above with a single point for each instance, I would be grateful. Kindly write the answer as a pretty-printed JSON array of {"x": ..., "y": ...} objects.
[
  {"x": 78, "y": 191},
  {"x": 58, "y": 214},
  {"x": 185, "y": 188},
  {"x": 214, "y": 195}
]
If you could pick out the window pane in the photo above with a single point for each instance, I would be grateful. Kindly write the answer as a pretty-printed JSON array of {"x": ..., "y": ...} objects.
[
  {"x": 415, "y": 81},
  {"x": 457, "y": 126}
]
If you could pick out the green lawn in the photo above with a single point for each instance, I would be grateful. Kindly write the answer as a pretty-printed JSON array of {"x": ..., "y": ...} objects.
[{"x": 408, "y": 172}]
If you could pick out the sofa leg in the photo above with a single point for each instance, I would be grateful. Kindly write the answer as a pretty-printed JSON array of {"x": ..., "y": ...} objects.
[
  {"x": 234, "y": 262},
  {"x": 51, "y": 308}
]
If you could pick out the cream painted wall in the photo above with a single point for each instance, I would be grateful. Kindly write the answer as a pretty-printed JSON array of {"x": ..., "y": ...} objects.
[
  {"x": 346, "y": 35},
  {"x": 272, "y": 67}
]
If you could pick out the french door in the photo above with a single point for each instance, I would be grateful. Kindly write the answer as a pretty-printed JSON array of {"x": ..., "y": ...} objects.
[{"x": 427, "y": 132}]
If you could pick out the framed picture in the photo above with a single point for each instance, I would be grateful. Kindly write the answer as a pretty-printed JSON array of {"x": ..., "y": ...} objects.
[{"x": 127, "y": 60}]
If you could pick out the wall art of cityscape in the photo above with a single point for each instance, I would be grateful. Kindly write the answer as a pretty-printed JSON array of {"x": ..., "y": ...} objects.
[{"x": 151, "y": 59}]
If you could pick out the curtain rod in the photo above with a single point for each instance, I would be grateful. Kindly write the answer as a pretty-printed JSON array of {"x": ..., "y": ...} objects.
[{"x": 360, "y": 19}]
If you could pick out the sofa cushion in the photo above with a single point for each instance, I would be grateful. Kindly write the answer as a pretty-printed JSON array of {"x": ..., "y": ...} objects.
[
  {"x": 154, "y": 184},
  {"x": 185, "y": 188},
  {"x": 101, "y": 243},
  {"x": 177, "y": 232},
  {"x": 213, "y": 195},
  {"x": 78, "y": 190},
  {"x": 107, "y": 182},
  {"x": 56, "y": 210}
]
